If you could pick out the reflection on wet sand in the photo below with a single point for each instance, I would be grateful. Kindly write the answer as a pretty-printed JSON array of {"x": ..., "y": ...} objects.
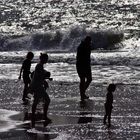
[
  {"x": 71, "y": 118},
  {"x": 85, "y": 116}
]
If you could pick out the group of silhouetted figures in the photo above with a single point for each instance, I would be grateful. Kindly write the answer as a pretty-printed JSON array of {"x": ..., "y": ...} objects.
[{"x": 36, "y": 84}]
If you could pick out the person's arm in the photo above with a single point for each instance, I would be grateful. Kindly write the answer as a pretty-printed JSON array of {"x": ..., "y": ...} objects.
[{"x": 20, "y": 72}]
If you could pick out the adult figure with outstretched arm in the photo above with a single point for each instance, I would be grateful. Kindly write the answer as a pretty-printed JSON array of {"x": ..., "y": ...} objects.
[{"x": 83, "y": 66}]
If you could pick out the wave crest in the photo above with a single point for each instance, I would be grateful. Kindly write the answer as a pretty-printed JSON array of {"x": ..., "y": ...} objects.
[{"x": 61, "y": 40}]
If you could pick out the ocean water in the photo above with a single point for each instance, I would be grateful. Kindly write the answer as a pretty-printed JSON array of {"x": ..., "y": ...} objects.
[{"x": 58, "y": 27}]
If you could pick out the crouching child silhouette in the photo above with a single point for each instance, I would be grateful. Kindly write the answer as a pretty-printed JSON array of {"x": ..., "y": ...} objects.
[
  {"x": 38, "y": 87},
  {"x": 108, "y": 105}
]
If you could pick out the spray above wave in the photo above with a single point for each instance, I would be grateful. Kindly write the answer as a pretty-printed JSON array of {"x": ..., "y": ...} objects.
[{"x": 61, "y": 40}]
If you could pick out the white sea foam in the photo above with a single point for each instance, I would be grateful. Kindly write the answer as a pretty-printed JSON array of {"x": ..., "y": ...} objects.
[{"x": 6, "y": 122}]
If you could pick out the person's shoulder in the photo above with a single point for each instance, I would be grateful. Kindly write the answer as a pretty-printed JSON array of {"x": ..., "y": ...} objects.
[
  {"x": 26, "y": 61},
  {"x": 39, "y": 65},
  {"x": 81, "y": 46}
]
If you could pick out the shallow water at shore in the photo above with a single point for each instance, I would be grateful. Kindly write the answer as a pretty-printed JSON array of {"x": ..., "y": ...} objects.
[
  {"x": 107, "y": 67},
  {"x": 71, "y": 118}
]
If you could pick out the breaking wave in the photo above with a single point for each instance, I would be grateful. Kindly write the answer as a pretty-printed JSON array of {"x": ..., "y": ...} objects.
[{"x": 61, "y": 40}]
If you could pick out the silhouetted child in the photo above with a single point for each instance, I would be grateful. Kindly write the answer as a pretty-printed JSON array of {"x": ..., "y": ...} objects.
[
  {"x": 108, "y": 105},
  {"x": 26, "y": 65},
  {"x": 38, "y": 88}
]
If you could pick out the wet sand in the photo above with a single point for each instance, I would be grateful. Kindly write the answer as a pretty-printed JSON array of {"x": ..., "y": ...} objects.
[{"x": 72, "y": 119}]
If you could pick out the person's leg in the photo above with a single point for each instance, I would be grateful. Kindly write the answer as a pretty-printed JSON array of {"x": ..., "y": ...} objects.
[
  {"x": 25, "y": 91},
  {"x": 88, "y": 81},
  {"x": 109, "y": 117},
  {"x": 82, "y": 76},
  {"x": 109, "y": 121},
  {"x": 88, "y": 77},
  {"x": 35, "y": 102},
  {"x": 46, "y": 105},
  {"x": 104, "y": 121},
  {"x": 82, "y": 87},
  {"x": 27, "y": 81}
]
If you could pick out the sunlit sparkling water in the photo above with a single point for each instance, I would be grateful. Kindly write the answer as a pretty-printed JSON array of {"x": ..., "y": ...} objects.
[
  {"x": 42, "y": 15},
  {"x": 106, "y": 67},
  {"x": 120, "y": 66}
]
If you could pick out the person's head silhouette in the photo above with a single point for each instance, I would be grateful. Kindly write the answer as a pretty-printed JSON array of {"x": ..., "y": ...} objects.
[
  {"x": 87, "y": 40},
  {"x": 30, "y": 55},
  {"x": 111, "y": 88},
  {"x": 43, "y": 58}
]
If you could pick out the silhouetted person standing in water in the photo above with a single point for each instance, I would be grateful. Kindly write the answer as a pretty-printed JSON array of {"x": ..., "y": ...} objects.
[
  {"x": 37, "y": 86},
  {"x": 108, "y": 105},
  {"x": 26, "y": 65},
  {"x": 83, "y": 66}
]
